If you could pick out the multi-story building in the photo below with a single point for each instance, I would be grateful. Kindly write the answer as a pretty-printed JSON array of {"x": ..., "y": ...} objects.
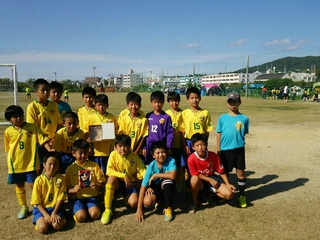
[
  {"x": 227, "y": 78},
  {"x": 131, "y": 80}
]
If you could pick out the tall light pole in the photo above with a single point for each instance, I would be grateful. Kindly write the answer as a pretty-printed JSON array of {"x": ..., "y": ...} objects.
[
  {"x": 94, "y": 72},
  {"x": 55, "y": 76}
]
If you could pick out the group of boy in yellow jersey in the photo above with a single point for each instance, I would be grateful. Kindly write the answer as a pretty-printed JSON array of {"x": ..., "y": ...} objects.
[{"x": 146, "y": 162}]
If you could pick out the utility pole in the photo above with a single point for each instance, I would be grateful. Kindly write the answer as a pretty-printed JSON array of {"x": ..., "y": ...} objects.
[
  {"x": 94, "y": 72},
  {"x": 247, "y": 76},
  {"x": 55, "y": 76}
]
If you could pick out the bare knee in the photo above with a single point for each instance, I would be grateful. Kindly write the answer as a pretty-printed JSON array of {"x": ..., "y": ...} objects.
[
  {"x": 133, "y": 200},
  {"x": 42, "y": 228},
  {"x": 149, "y": 200},
  {"x": 94, "y": 212},
  {"x": 60, "y": 225},
  {"x": 81, "y": 216}
]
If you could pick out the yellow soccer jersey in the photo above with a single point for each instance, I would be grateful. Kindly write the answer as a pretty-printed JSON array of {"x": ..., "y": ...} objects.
[
  {"x": 131, "y": 165},
  {"x": 102, "y": 148},
  {"x": 83, "y": 114},
  {"x": 21, "y": 147},
  {"x": 72, "y": 179},
  {"x": 62, "y": 142},
  {"x": 176, "y": 119},
  {"x": 199, "y": 122},
  {"x": 47, "y": 192},
  {"x": 46, "y": 118},
  {"x": 136, "y": 129},
  {"x": 126, "y": 111}
]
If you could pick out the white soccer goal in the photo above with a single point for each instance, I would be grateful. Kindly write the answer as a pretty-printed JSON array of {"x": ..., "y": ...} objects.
[{"x": 8, "y": 89}]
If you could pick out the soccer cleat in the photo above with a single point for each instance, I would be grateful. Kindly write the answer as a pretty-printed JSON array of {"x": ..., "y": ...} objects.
[
  {"x": 23, "y": 212},
  {"x": 106, "y": 217},
  {"x": 168, "y": 214},
  {"x": 242, "y": 201},
  {"x": 75, "y": 218}
]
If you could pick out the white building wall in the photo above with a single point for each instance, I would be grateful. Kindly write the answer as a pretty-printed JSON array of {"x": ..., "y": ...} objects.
[{"x": 227, "y": 78}]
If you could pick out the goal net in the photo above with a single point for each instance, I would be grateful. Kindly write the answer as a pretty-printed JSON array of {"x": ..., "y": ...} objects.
[{"x": 8, "y": 89}]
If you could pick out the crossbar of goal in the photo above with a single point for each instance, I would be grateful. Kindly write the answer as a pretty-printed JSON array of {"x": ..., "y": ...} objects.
[{"x": 15, "y": 87}]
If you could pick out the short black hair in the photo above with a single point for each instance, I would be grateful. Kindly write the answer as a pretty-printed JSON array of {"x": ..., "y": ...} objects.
[
  {"x": 123, "y": 139},
  {"x": 40, "y": 81},
  {"x": 13, "y": 110},
  {"x": 199, "y": 137},
  {"x": 80, "y": 144},
  {"x": 72, "y": 115},
  {"x": 158, "y": 144},
  {"x": 55, "y": 155},
  {"x": 56, "y": 85},
  {"x": 194, "y": 90},
  {"x": 129, "y": 95},
  {"x": 90, "y": 91},
  {"x": 157, "y": 95},
  {"x": 173, "y": 96},
  {"x": 101, "y": 98},
  {"x": 135, "y": 97}
]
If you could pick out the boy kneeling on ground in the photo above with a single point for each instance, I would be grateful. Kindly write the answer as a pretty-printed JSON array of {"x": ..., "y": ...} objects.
[
  {"x": 158, "y": 181},
  {"x": 202, "y": 165}
]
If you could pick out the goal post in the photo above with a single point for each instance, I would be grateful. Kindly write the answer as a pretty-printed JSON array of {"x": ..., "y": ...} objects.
[{"x": 8, "y": 89}]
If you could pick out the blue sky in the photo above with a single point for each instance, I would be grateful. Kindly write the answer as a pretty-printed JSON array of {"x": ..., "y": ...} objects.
[{"x": 69, "y": 37}]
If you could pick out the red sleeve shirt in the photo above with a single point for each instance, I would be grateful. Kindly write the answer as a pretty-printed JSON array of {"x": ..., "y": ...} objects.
[{"x": 206, "y": 166}]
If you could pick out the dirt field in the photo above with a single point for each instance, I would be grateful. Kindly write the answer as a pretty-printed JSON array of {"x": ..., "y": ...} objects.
[{"x": 283, "y": 167}]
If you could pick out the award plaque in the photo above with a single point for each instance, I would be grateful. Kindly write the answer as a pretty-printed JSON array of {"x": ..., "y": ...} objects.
[{"x": 101, "y": 132}]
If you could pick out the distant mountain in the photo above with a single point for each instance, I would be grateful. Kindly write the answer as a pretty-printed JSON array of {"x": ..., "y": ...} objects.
[{"x": 294, "y": 64}]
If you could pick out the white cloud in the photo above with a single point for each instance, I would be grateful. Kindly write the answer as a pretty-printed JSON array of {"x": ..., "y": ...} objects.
[
  {"x": 190, "y": 46},
  {"x": 241, "y": 41},
  {"x": 43, "y": 57},
  {"x": 278, "y": 42},
  {"x": 286, "y": 44}
]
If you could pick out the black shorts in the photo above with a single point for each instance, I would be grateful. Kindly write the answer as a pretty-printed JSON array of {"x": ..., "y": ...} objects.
[
  {"x": 157, "y": 188},
  {"x": 234, "y": 158}
]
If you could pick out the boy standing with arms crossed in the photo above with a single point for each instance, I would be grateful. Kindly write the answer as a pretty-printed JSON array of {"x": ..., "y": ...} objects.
[
  {"x": 20, "y": 142},
  {"x": 48, "y": 195},
  {"x": 231, "y": 130},
  {"x": 124, "y": 169},
  {"x": 84, "y": 178},
  {"x": 88, "y": 95},
  {"x": 160, "y": 126}
]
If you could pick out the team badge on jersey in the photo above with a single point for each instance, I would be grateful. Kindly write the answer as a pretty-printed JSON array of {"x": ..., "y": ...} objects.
[
  {"x": 139, "y": 124},
  {"x": 161, "y": 121},
  {"x": 52, "y": 111},
  {"x": 29, "y": 132},
  {"x": 131, "y": 162},
  {"x": 59, "y": 181},
  {"x": 238, "y": 125},
  {"x": 201, "y": 118}
]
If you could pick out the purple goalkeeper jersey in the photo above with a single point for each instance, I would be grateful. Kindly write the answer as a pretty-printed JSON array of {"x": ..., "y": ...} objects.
[{"x": 160, "y": 129}]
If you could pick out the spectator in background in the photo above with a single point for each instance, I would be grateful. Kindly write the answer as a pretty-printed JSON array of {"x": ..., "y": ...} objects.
[
  {"x": 286, "y": 93},
  {"x": 294, "y": 93},
  {"x": 264, "y": 93}
]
